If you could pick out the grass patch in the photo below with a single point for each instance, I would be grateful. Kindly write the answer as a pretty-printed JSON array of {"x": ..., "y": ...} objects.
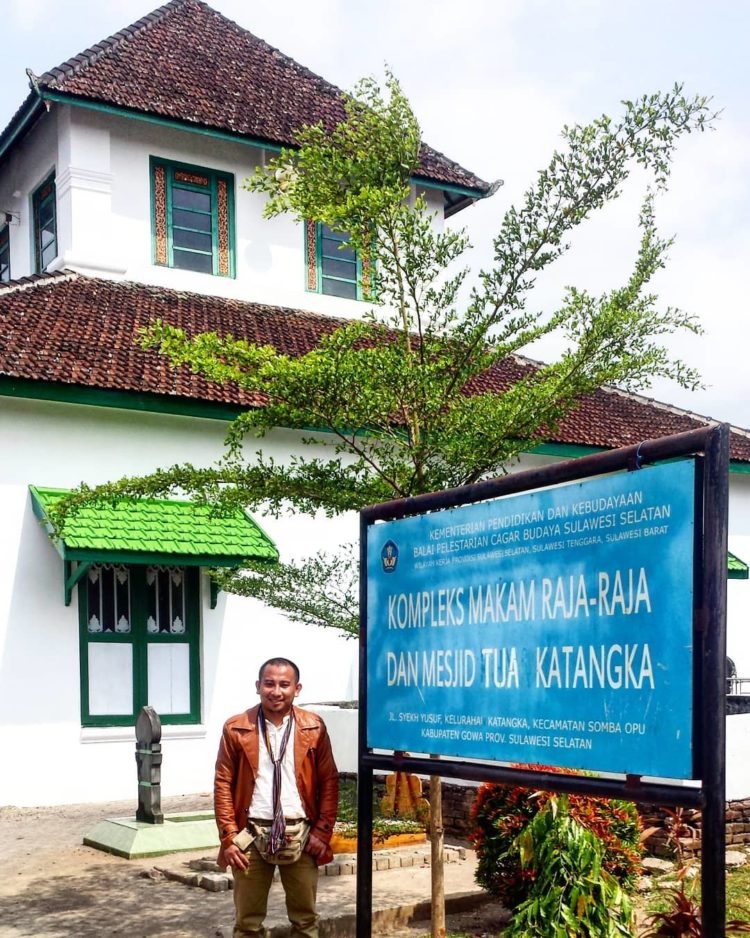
[
  {"x": 738, "y": 894},
  {"x": 382, "y": 827}
]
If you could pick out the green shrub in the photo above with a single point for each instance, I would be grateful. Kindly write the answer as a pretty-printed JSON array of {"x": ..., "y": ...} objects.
[
  {"x": 501, "y": 812},
  {"x": 571, "y": 894}
]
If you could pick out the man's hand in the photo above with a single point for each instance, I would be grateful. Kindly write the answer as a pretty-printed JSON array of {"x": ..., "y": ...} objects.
[
  {"x": 236, "y": 858},
  {"x": 315, "y": 846}
]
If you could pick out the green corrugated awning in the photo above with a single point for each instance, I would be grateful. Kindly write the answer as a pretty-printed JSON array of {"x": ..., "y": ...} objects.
[
  {"x": 152, "y": 531},
  {"x": 736, "y": 568}
]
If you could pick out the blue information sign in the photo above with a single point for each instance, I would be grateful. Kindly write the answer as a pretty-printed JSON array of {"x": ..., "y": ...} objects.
[{"x": 553, "y": 627}]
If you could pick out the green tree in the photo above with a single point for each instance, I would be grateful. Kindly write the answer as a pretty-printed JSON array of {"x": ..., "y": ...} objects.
[
  {"x": 407, "y": 395},
  {"x": 321, "y": 590},
  {"x": 408, "y": 400}
]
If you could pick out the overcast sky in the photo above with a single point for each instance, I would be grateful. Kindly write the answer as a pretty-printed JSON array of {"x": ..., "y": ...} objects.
[{"x": 492, "y": 82}]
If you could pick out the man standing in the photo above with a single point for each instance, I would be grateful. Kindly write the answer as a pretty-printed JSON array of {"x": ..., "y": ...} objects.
[{"x": 275, "y": 767}]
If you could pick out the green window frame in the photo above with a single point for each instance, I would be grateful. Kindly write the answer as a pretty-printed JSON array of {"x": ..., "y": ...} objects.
[
  {"x": 139, "y": 628},
  {"x": 44, "y": 214},
  {"x": 333, "y": 268},
  {"x": 192, "y": 212},
  {"x": 4, "y": 254}
]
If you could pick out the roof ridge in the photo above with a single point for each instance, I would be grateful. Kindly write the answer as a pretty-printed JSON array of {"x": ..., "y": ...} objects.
[
  {"x": 457, "y": 167},
  {"x": 83, "y": 60},
  {"x": 236, "y": 82},
  {"x": 671, "y": 408},
  {"x": 327, "y": 85},
  {"x": 157, "y": 288},
  {"x": 645, "y": 399},
  {"x": 34, "y": 281}
]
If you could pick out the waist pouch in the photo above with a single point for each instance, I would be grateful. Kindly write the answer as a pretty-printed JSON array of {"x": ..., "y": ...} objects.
[{"x": 295, "y": 840}]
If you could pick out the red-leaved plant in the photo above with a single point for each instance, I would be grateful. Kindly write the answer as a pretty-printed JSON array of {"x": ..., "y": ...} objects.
[{"x": 501, "y": 812}]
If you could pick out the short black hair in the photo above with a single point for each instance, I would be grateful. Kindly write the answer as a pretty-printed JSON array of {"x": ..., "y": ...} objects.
[{"x": 279, "y": 662}]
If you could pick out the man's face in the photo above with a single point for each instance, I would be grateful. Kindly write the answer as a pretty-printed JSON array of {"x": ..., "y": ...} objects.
[{"x": 277, "y": 689}]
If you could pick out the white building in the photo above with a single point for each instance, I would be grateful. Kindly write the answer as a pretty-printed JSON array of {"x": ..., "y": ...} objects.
[{"x": 121, "y": 200}]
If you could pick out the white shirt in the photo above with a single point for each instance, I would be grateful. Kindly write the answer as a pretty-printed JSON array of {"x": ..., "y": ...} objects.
[{"x": 261, "y": 805}]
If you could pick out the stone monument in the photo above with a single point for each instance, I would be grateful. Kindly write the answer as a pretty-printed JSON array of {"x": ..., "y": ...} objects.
[{"x": 148, "y": 759}]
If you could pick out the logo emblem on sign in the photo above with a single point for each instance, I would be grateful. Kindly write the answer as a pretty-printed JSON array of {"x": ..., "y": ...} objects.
[{"x": 389, "y": 557}]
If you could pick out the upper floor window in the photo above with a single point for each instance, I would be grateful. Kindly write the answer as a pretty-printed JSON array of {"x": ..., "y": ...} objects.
[
  {"x": 44, "y": 209},
  {"x": 333, "y": 267},
  {"x": 4, "y": 254},
  {"x": 193, "y": 218}
]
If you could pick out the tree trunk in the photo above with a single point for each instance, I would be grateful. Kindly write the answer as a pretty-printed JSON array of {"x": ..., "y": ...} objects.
[{"x": 436, "y": 857}]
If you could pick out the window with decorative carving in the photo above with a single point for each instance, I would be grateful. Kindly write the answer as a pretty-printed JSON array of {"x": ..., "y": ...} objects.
[
  {"x": 333, "y": 267},
  {"x": 193, "y": 218},
  {"x": 4, "y": 254},
  {"x": 44, "y": 212},
  {"x": 139, "y": 643}
]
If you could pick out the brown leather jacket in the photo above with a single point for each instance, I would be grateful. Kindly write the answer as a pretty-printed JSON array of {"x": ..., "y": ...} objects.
[{"x": 237, "y": 767}]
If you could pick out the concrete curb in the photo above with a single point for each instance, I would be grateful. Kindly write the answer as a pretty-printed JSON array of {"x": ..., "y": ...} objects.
[{"x": 345, "y": 925}]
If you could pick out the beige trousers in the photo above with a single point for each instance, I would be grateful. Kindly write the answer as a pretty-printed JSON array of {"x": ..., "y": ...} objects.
[{"x": 251, "y": 888}]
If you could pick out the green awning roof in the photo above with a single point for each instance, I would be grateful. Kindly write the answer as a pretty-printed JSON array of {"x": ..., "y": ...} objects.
[
  {"x": 736, "y": 568},
  {"x": 151, "y": 530}
]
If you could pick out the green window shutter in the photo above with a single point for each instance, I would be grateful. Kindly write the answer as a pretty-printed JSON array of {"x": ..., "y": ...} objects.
[
  {"x": 331, "y": 266},
  {"x": 4, "y": 254},
  {"x": 44, "y": 212},
  {"x": 192, "y": 211}
]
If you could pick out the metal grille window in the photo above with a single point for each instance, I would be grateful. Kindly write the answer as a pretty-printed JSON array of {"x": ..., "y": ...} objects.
[
  {"x": 4, "y": 254},
  {"x": 44, "y": 209},
  {"x": 165, "y": 596},
  {"x": 192, "y": 212},
  {"x": 108, "y": 598}
]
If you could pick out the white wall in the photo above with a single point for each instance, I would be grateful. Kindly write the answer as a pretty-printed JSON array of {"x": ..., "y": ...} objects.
[
  {"x": 738, "y": 763},
  {"x": 51, "y": 444},
  {"x": 111, "y": 201},
  {"x": 33, "y": 159},
  {"x": 104, "y": 209}
]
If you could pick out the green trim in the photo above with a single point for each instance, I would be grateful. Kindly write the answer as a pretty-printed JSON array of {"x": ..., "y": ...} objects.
[
  {"x": 40, "y": 200},
  {"x": 139, "y": 640},
  {"x": 258, "y": 142},
  {"x": 736, "y": 569},
  {"x": 71, "y": 576},
  {"x": 356, "y": 280},
  {"x": 140, "y": 558},
  {"x": 123, "y": 400},
  {"x": 451, "y": 188},
  {"x": 739, "y": 468},
  {"x": 26, "y": 389},
  {"x": 5, "y": 274},
  {"x": 574, "y": 451},
  {"x": 566, "y": 450},
  {"x": 33, "y": 112},
  {"x": 132, "y": 114}
]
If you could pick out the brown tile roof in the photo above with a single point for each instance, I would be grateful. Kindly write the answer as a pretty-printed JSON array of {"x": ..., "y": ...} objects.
[
  {"x": 78, "y": 331},
  {"x": 187, "y": 62},
  {"x": 81, "y": 331}
]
